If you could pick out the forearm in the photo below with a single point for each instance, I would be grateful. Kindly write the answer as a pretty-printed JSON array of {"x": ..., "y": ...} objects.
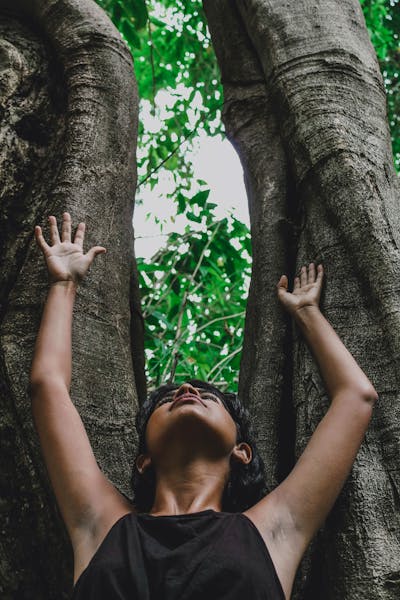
[
  {"x": 338, "y": 368},
  {"x": 53, "y": 354}
]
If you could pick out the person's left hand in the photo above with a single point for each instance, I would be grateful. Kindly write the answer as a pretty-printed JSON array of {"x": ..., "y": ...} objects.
[{"x": 306, "y": 290}]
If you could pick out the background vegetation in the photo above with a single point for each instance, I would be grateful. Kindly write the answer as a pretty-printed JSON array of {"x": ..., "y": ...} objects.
[{"x": 194, "y": 290}]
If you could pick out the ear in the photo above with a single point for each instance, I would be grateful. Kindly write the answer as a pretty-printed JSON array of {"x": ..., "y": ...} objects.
[
  {"x": 142, "y": 462},
  {"x": 242, "y": 453}
]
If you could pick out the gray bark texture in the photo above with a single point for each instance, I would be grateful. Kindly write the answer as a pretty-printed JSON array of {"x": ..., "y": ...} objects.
[
  {"x": 305, "y": 109},
  {"x": 68, "y": 106}
]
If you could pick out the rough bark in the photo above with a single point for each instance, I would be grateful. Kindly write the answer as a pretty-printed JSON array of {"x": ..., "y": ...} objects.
[
  {"x": 68, "y": 103},
  {"x": 316, "y": 152}
]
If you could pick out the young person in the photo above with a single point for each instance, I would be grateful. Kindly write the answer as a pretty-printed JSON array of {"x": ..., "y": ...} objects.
[{"x": 201, "y": 524}]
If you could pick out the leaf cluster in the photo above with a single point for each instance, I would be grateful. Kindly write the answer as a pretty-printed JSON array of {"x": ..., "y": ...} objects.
[
  {"x": 194, "y": 293},
  {"x": 172, "y": 52}
]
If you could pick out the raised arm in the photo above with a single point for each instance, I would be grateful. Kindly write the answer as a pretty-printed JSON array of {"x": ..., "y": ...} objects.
[
  {"x": 83, "y": 493},
  {"x": 316, "y": 480},
  {"x": 290, "y": 516}
]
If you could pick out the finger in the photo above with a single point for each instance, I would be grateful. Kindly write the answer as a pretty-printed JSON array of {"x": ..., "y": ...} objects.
[
  {"x": 283, "y": 282},
  {"x": 311, "y": 273},
  {"x": 296, "y": 283},
  {"x": 66, "y": 227},
  {"x": 320, "y": 273},
  {"x": 54, "y": 235},
  {"x": 80, "y": 234},
  {"x": 41, "y": 242},
  {"x": 94, "y": 251},
  {"x": 303, "y": 276},
  {"x": 282, "y": 285}
]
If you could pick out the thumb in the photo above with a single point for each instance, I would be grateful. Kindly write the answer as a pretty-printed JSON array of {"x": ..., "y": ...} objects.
[
  {"x": 282, "y": 283},
  {"x": 94, "y": 251}
]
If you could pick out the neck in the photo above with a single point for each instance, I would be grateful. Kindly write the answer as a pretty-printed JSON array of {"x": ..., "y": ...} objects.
[{"x": 190, "y": 488}]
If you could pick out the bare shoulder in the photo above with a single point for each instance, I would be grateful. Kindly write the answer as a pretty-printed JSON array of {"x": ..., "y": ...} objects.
[
  {"x": 87, "y": 539},
  {"x": 275, "y": 525}
]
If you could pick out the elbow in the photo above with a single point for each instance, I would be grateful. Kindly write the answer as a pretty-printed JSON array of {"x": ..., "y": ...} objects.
[
  {"x": 361, "y": 399},
  {"x": 35, "y": 384},
  {"x": 36, "y": 379},
  {"x": 38, "y": 383},
  {"x": 369, "y": 398},
  {"x": 35, "y": 390},
  {"x": 373, "y": 398},
  {"x": 365, "y": 392},
  {"x": 370, "y": 395}
]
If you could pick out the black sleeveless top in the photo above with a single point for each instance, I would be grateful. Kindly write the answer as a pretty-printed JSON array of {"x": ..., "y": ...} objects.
[{"x": 207, "y": 555}]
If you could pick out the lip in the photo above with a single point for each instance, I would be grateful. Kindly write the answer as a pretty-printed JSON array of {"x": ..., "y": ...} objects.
[{"x": 186, "y": 398}]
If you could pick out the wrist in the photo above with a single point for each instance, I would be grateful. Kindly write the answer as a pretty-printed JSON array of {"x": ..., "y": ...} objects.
[
  {"x": 69, "y": 284},
  {"x": 306, "y": 312}
]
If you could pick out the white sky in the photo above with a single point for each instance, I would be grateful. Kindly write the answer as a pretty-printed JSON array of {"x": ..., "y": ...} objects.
[{"x": 216, "y": 162}]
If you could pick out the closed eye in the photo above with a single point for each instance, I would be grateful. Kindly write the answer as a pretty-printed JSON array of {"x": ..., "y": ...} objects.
[
  {"x": 204, "y": 395},
  {"x": 208, "y": 396},
  {"x": 167, "y": 398}
]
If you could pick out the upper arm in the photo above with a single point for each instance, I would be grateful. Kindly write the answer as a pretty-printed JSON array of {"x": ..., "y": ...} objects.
[
  {"x": 293, "y": 512},
  {"x": 84, "y": 495},
  {"x": 306, "y": 496},
  {"x": 310, "y": 490}
]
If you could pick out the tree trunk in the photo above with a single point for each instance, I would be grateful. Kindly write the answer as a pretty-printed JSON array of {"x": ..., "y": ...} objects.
[
  {"x": 69, "y": 105},
  {"x": 305, "y": 109}
]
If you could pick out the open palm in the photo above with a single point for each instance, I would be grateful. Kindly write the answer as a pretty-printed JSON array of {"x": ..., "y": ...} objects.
[
  {"x": 65, "y": 259},
  {"x": 306, "y": 290}
]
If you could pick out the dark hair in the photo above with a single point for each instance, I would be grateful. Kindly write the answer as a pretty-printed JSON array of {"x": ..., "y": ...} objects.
[{"x": 246, "y": 484}]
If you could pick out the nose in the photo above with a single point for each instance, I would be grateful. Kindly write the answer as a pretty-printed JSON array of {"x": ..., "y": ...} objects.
[{"x": 186, "y": 388}]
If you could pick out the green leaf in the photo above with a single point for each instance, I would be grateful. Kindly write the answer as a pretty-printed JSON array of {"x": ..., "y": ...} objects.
[
  {"x": 152, "y": 268},
  {"x": 129, "y": 32},
  {"x": 182, "y": 202},
  {"x": 136, "y": 12},
  {"x": 156, "y": 21},
  {"x": 192, "y": 217},
  {"x": 200, "y": 198}
]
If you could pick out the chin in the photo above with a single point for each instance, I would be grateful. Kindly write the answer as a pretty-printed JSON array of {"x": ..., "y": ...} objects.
[{"x": 192, "y": 431}]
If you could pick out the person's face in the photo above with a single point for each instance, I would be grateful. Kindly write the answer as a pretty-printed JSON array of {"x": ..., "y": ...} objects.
[{"x": 191, "y": 421}]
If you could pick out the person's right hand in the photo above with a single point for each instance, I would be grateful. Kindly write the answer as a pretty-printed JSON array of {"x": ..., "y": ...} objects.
[{"x": 65, "y": 260}]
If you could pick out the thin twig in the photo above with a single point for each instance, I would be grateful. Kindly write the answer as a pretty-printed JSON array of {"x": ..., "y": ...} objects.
[
  {"x": 185, "y": 297},
  {"x": 155, "y": 258},
  {"x": 227, "y": 357},
  {"x": 240, "y": 314},
  {"x": 153, "y": 74},
  {"x": 186, "y": 138}
]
